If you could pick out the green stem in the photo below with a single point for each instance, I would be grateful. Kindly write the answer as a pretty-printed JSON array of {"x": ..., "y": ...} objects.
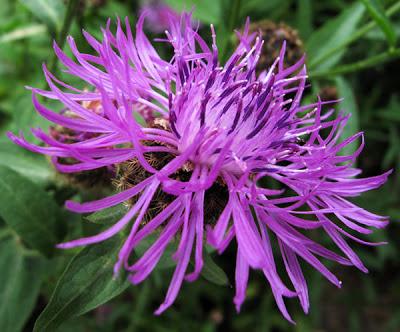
[
  {"x": 6, "y": 232},
  {"x": 235, "y": 14},
  {"x": 68, "y": 19},
  {"x": 233, "y": 18},
  {"x": 31, "y": 253},
  {"x": 360, "y": 65},
  {"x": 359, "y": 33}
]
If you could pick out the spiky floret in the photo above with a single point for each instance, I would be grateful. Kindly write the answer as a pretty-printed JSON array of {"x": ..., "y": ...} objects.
[
  {"x": 232, "y": 127},
  {"x": 274, "y": 34},
  {"x": 91, "y": 179},
  {"x": 158, "y": 15}
]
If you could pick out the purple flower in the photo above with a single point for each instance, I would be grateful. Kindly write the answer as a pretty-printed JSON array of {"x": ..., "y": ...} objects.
[
  {"x": 159, "y": 15},
  {"x": 221, "y": 130}
]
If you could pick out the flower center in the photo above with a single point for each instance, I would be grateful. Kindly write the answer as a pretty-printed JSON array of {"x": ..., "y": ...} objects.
[
  {"x": 131, "y": 172},
  {"x": 274, "y": 34}
]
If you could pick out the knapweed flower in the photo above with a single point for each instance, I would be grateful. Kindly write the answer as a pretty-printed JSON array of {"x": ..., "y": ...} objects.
[
  {"x": 219, "y": 132},
  {"x": 96, "y": 178},
  {"x": 274, "y": 34},
  {"x": 328, "y": 92},
  {"x": 158, "y": 15}
]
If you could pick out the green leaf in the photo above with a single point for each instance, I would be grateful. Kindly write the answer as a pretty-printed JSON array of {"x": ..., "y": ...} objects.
[
  {"x": 29, "y": 211},
  {"x": 348, "y": 106},
  {"x": 377, "y": 34},
  {"x": 50, "y": 12},
  {"x": 86, "y": 284},
  {"x": 393, "y": 151},
  {"x": 207, "y": 11},
  {"x": 392, "y": 111},
  {"x": 28, "y": 164},
  {"x": 20, "y": 280},
  {"x": 262, "y": 6},
  {"x": 166, "y": 261},
  {"x": 331, "y": 35},
  {"x": 377, "y": 12},
  {"x": 304, "y": 18},
  {"x": 212, "y": 272},
  {"x": 109, "y": 215},
  {"x": 74, "y": 325},
  {"x": 26, "y": 117},
  {"x": 390, "y": 115},
  {"x": 22, "y": 33}
]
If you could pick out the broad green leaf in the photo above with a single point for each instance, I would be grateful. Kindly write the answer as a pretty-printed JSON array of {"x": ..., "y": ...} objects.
[
  {"x": 28, "y": 164},
  {"x": 377, "y": 12},
  {"x": 330, "y": 36},
  {"x": 109, "y": 215},
  {"x": 212, "y": 272},
  {"x": 29, "y": 211},
  {"x": 22, "y": 33},
  {"x": 348, "y": 106},
  {"x": 74, "y": 325},
  {"x": 20, "y": 279},
  {"x": 50, "y": 12},
  {"x": 207, "y": 11},
  {"x": 86, "y": 283}
]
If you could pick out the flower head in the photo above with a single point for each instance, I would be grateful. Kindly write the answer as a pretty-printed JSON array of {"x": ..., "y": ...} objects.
[
  {"x": 274, "y": 34},
  {"x": 93, "y": 179},
  {"x": 219, "y": 131},
  {"x": 158, "y": 15}
]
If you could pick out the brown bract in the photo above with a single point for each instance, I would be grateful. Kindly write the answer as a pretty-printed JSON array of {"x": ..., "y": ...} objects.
[
  {"x": 90, "y": 179},
  {"x": 274, "y": 34},
  {"x": 329, "y": 92},
  {"x": 131, "y": 172}
]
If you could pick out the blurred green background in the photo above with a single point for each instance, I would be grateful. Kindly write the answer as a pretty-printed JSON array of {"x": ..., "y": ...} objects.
[{"x": 352, "y": 53}]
